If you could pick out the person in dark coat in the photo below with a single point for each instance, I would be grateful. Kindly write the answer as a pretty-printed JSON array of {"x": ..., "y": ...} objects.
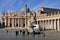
[
  {"x": 17, "y": 33},
  {"x": 27, "y": 33},
  {"x": 23, "y": 33},
  {"x": 44, "y": 35},
  {"x": 7, "y": 31}
]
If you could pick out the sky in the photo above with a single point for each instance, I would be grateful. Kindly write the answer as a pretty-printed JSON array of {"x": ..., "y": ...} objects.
[{"x": 17, "y": 5}]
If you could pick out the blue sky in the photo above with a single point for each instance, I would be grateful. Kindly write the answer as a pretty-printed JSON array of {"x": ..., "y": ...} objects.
[{"x": 17, "y": 5}]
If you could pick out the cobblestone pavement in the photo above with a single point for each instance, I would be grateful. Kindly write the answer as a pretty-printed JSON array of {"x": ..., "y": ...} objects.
[{"x": 49, "y": 35}]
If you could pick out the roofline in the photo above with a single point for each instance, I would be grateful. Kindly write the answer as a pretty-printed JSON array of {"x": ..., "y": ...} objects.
[{"x": 51, "y": 8}]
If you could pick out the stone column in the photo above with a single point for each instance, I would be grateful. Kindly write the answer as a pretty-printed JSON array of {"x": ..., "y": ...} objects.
[
  {"x": 25, "y": 23},
  {"x": 46, "y": 24},
  {"x": 9, "y": 22},
  {"x": 15, "y": 22},
  {"x": 21, "y": 23},
  {"x": 58, "y": 25},
  {"x": 55, "y": 24},
  {"x": 43, "y": 24},
  {"x": 12, "y": 22},
  {"x": 51, "y": 24},
  {"x": 5, "y": 22},
  {"x": 18, "y": 22},
  {"x": 40, "y": 23}
]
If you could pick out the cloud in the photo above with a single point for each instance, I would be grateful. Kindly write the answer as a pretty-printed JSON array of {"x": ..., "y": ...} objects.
[
  {"x": 39, "y": 5},
  {"x": 6, "y": 4},
  {"x": 46, "y": 3},
  {"x": 3, "y": 3}
]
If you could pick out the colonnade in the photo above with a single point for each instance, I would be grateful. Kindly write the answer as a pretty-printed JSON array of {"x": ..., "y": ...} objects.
[
  {"x": 53, "y": 24},
  {"x": 15, "y": 22}
]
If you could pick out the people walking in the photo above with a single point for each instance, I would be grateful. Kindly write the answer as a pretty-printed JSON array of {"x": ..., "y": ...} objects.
[{"x": 17, "y": 33}]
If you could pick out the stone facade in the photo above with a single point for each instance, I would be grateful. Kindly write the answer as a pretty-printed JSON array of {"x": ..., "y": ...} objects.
[
  {"x": 47, "y": 18},
  {"x": 17, "y": 19}
]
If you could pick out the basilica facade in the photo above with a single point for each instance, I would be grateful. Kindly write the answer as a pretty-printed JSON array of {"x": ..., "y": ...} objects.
[
  {"x": 47, "y": 18},
  {"x": 18, "y": 19}
]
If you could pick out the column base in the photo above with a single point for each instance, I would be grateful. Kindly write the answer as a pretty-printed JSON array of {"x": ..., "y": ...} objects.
[{"x": 12, "y": 27}]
